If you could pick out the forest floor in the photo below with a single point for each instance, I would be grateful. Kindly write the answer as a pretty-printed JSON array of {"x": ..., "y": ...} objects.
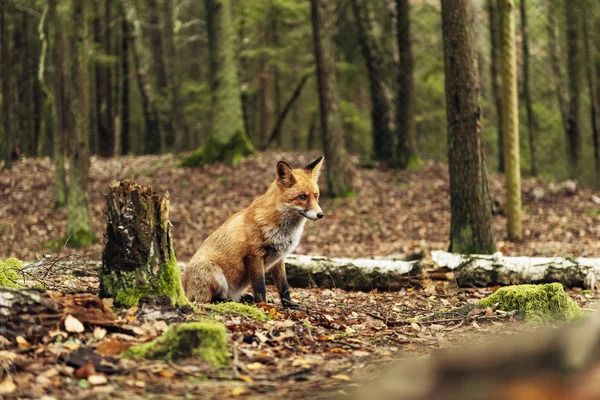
[{"x": 335, "y": 341}]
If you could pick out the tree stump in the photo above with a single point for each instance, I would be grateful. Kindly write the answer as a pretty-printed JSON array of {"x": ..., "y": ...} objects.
[{"x": 139, "y": 259}]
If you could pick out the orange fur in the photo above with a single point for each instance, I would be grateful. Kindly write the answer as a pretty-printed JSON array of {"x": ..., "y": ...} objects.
[{"x": 255, "y": 240}]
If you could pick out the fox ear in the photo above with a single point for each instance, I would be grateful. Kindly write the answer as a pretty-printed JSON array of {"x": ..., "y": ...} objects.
[
  {"x": 314, "y": 168},
  {"x": 285, "y": 175}
]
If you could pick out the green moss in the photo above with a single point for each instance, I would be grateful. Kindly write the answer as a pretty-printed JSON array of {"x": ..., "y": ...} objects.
[
  {"x": 237, "y": 308},
  {"x": 230, "y": 153},
  {"x": 77, "y": 240},
  {"x": 542, "y": 303},
  {"x": 127, "y": 288},
  {"x": 8, "y": 273},
  {"x": 414, "y": 163},
  {"x": 206, "y": 340}
]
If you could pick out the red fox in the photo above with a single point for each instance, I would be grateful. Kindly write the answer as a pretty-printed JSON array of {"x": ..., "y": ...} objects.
[{"x": 256, "y": 240}]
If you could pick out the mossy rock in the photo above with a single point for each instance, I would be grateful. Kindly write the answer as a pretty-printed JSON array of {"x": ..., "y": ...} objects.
[
  {"x": 8, "y": 273},
  {"x": 231, "y": 307},
  {"x": 538, "y": 303},
  {"x": 230, "y": 153},
  {"x": 206, "y": 340}
]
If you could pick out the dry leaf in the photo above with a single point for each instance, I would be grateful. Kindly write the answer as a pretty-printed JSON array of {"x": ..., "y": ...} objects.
[
  {"x": 254, "y": 366},
  {"x": 85, "y": 371},
  {"x": 99, "y": 333},
  {"x": 97, "y": 380},
  {"x": 22, "y": 343},
  {"x": 7, "y": 386},
  {"x": 72, "y": 324},
  {"x": 112, "y": 347},
  {"x": 166, "y": 373},
  {"x": 245, "y": 378},
  {"x": 341, "y": 377},
  {"x": 236, "y": 391}
]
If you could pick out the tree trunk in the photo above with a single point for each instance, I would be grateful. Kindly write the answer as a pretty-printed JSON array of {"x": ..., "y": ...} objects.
[
  {"x": 594, "y": 96},
  {"x": 482, "y": 270},
  {"x": 10, "y": 111},
  {"x": 159, "y": 70},
  {"x": 79, "y": 226},
  {"x": 407, "y": 154},
  {"x": 471, "y": 219},
  {"x": 139, "y": 259},
  {"x": 24, "y": 61},
  {"x": 63, "y": 108},
  {"x": 109, "y": 138},
  {"x": 98, "y": 118},
  {"x": 228, "y": 141},
  {"x": 495, "y": 57},
  {"x": 384, "y": 145},
  {"x": 125, "y": 91},
  {"x": 152, "y": 135},
  {"x": 555, "y": 64},
  {"x": 573, "y": 72},
  {"x": 339, "y": 169},
  {"x": 511, "y": 122},
  {"x": 527, "y": 88}
]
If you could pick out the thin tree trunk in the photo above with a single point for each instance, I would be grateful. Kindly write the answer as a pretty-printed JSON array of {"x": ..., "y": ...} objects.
[
  {"x": 511, "y": 121},
  {"x": 109, "y": 138},
  {"x": 10, "y": 112},
  {"x": 555, "y": 64},
  {"x": 125, "y": 91},
  {"x": 160, "y": 71},
  {"x": 152, "y": 136},
  {"x": 574, "y": 70},
  {"x": 229, "y": 141},
  {"x": 79, "y": 227},
  {"x": 471, "y": 211},
  {"x": 63, "y": 108},
  {"x": 339, "y": 169},
  {"x": 527, "y": 87},
  {"x": 408, "y": 156},
  {"x": 384, "y": 144},
  {"x": 99, "y": 119},
  {"x": 495, "y": 55},
  {"x": 594, "y": 112},
  {"x": 24, "y": 84}
]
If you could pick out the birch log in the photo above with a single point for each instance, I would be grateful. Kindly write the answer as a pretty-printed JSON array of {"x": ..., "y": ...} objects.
[{"x": 496, "y": 269}]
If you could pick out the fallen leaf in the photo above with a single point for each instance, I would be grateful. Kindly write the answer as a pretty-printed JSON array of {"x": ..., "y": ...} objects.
[
  {"x": 254, "y": 366},
  {"x": 286, "y": 323},
  {"x": 72, "y": 324},
  {"x": 166, "y": 373},
  {"x": 112, "y": 347},
  {"x": 489, "y": 312},
  {"x": 85, "y": 371},
  {"x": 22, "y": 343},
  {"x": 341, "y": 377},
  {"x": 236, "y": 391},
  {"x": 97, "y": 380},
  {"x": 245, "y": 378},
  {"x": 99, "y": 333},
  {"x": 7, "y": 386},
  {"x": 415, "y": 326},
  {"x": 360, "y": 353}
]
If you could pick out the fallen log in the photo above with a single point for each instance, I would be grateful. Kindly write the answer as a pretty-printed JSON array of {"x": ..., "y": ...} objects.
[
  {"x": 350, "y": 273},
  {"x": 546, "y": 364},
  {"x": 497, "y": 269}
]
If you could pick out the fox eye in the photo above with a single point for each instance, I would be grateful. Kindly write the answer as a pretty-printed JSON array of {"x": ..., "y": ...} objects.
[
  {"x": 302, "y": 197},
  {"x": 316, "y": 195}
]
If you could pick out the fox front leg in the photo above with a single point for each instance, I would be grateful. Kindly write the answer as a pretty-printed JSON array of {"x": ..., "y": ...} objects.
[
  {"x": 256, "y": 271},
  {"x": 280, "y": 280}
]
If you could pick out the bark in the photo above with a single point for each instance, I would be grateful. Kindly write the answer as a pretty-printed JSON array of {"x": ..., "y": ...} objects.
[
  {"x": 108, "y": 141},
  {"x": 63, "y": 110},
  {"x": 30, "y": 313},
  {"x": 139, "y": 259},
  {"x": 574, "y": 74},
  {"x": 527, "y": 88},
  {"x": 339, "y": 169},
  {"x": 384, "y": 145},
  {"x": 159, "y": 70},
  {"x": 350, "y": 273},
  {"x": 548, "y": 363},
  {"x": 481, "y": 270},
  {"x": 276, "y": 132},
  {"x": 511, "y": 122},
  {"x": 152, "y": 135},
  {"x": 10, "y": 110},
  {"x": 495, "y": 56},
  {"x": 228, "y": 141},
  {"x": 125, "y": 88},
  {"x": 407, "y": 154},
  {"x": 471, "y": 219},
  {"x": 79, "y": 227},
  {"x": 594, "y": 108},
  {"x": 555, "y": 64},
  {"x": 24, "y": 65}
]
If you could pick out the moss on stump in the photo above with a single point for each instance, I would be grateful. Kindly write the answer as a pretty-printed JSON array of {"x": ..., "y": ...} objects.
[
  {"x": 539, "y": 303},
  {"x": 231, "y": 307},
  {"x": 230, "y": 152},
  {"x": 8, "y": 273},
  {"x": 139, "y": 259},
  {"x": 206, "y": 340}
]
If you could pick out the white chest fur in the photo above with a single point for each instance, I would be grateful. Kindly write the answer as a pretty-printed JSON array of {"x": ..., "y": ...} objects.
[{"x": 283, "y": 239}]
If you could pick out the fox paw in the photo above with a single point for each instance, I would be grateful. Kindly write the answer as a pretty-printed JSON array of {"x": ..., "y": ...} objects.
[
  {"x": 289, "y": 304},
  {"x": 247, "y": 298}
]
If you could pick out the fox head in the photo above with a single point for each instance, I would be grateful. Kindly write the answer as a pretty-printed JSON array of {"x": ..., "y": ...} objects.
[{"x": 298, "y": 188}]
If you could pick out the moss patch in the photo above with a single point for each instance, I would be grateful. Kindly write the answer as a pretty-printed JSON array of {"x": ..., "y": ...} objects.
[
  {"x": 237, "y": 308},
  {"x": 206, "y": 340},
  {"x": 541, "y": 303},
  {"x": 79, "y": 240},
  {"x": 8, "y": 273},
  {"x": 230, "y": 152}
]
